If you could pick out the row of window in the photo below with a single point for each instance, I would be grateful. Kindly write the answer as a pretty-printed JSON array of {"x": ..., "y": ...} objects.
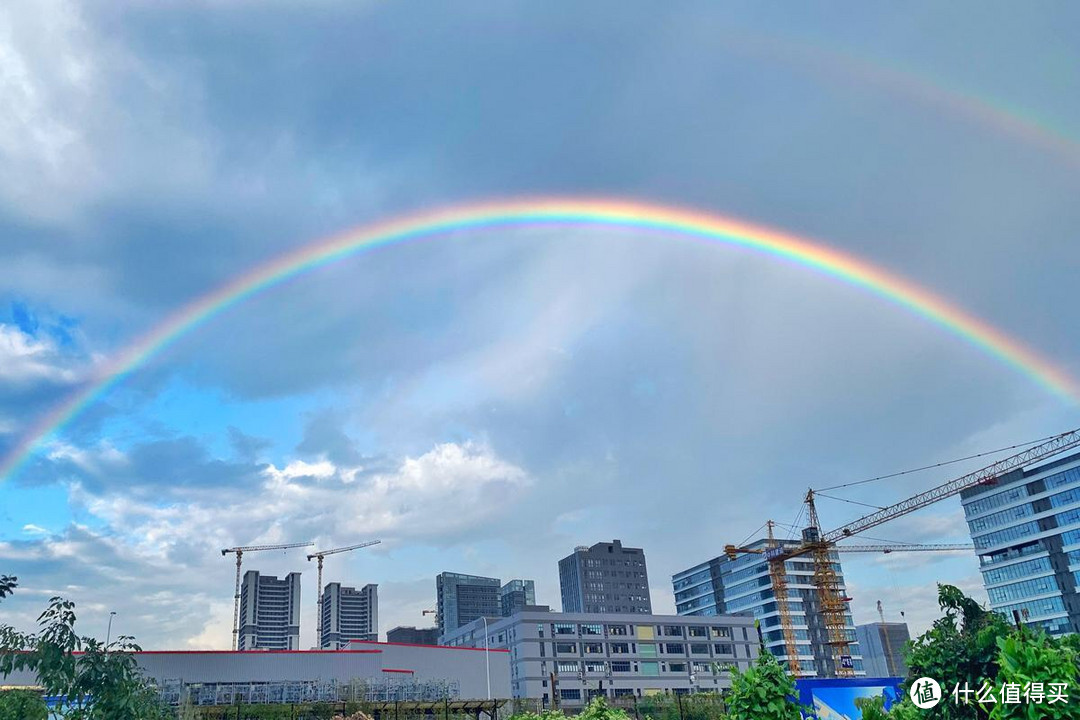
[
  {"x": 596, "y": 629},
  {"x": 645, "y": 649},
  {"x": 996, "y": 500},
  {"x": 1022, "y": 589},
  {"x": 1034, "y": 608},
  {"x": 1008, "y": 534},
  {"x": 1017, "y": 570},
  {"x": 564, "y": 667},
  {"x": 1002, "y": 517},
  {"x": 1013, "y": 553},
  {"x": 1067, "y": 477}
]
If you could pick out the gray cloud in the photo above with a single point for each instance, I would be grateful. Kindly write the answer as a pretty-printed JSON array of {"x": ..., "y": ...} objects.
[{"x": 671, "y": 395}]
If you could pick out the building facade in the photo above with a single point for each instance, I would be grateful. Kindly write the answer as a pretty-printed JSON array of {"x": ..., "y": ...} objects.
[
  {"x": 269, "y": 612},
  {"x": 409, "y": 635},
  {"x": 721, "y": 585},
  {"x": 348, "y": 614},
  {"x": 464, "y": 598},
  {"x": 1026, "y": 530},
  {"x": 570, "y": 658},
  {"x": 882, "y": 648},
  {"x": 515, "y": 595},
  {"x": 605, "y": 578},
  {"x": 361, "y": 671}
]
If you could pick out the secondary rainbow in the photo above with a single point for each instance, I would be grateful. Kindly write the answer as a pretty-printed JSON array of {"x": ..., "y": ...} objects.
[{"x": 607, "y": 213}]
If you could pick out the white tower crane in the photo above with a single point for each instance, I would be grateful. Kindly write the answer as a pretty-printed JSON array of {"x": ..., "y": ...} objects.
[
  {"x": 236, "y": 597},
  {"x": 320, "y": 554}
]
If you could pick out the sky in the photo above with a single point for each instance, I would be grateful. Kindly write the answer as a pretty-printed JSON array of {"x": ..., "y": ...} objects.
[{"x": 486, "y": 401}]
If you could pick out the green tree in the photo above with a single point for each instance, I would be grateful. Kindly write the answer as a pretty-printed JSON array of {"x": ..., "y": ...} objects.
[
  {"x": 99, "y": 683},
  {"x": 598, "y": 709},
  {"x": 764, "y": 692},
  {"x": 961, "y": 647},
  {"x": 8, "y": 583},
  {"x": 22, "y": 705},
  {"x": 1027, "y": 657}
]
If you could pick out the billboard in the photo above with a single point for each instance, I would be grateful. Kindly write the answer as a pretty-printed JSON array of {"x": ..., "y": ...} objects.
[{"x": 834, "y": 699}]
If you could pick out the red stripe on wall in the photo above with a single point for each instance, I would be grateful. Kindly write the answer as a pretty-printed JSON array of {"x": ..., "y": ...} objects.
[{"x": 397, "y": 670}]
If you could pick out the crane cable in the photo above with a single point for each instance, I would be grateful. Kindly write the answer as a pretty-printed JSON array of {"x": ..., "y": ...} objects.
[{"x": 937, "y": 465}]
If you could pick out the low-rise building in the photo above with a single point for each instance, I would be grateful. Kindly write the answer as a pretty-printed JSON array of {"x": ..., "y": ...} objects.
[
  {"x": 413, "y": 636},
  {"x": 370, "y": 671},
  {"x": 570, "y": 658}
]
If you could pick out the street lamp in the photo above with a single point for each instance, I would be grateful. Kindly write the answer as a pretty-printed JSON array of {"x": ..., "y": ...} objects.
[
  {"x": 108, "y": 632},
  {"x": 487, "y": 653}
]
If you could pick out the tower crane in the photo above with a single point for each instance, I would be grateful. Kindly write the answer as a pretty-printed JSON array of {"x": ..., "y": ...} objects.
[
  {"x": 889, "y": 667},
  {"x": 236, "y": 597},
  {"x": 320, "y": 554},
  {"x": 778, "y": 576},
  {"x": 819, "y": 545}
]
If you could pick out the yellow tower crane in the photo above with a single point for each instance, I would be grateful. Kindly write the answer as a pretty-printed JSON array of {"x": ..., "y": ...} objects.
[{"x": 819, "y": 545}]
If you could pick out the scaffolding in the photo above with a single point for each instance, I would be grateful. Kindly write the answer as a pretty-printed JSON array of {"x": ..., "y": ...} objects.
[{"x": 176, "y": 691}]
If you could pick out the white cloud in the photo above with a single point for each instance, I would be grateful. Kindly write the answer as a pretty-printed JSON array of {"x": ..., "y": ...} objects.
[
  {"x": 32, "y": 529},
  {"x": 25, "y": 359},
  {"x": 76, "y": 103}
]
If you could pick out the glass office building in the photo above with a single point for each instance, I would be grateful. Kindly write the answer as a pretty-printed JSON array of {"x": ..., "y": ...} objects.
[
  {"x": 1026, "y": 530},
  {"x": 743, "y": 585}
]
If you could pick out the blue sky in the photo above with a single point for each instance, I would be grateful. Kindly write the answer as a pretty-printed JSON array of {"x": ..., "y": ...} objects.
[{"x": 485, "y": 403}]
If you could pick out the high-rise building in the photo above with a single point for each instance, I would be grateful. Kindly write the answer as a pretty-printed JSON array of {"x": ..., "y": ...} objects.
[
  {"x": 605, "y": 578},
  {"x": 1026, "y": 530},
  {"x": 882, "y": 648},
  {"x": 568, "y": 659},
  {"x": 410, "y": 635},
  {"x": 349, "y": 614},
  {"x": 719, "y": 586},
  {"x": 464, "y": 598},
  {"x": 515, "y": 595},
  {"x": 269, "y": 612}
]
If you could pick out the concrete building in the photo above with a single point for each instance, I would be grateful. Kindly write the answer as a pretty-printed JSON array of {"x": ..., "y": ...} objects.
[
  {"x": 348, "y": 614},
  {"x": 363, "y": 670},
  {"x": 570, "y": 658},
  {"x": 269, "y": 612},
  {"x": 605, "y": 578},
  {"x": 413, "y": 636},
  {"x": 720, "y": 585},
  {"x": 515, "y": 595},
  {"x": 464, "y": 598},
  {"x": 882, "y": 648},
  {"x": 1026, "y": 530}
]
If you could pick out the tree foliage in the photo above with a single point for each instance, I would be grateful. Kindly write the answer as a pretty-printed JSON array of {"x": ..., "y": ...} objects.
[
  {"x": 1033, "y": 657},
  {"x": 961, "y": 647},
  {"x": 22, "y": 705},
  {"x": 98, "y": 682},
  {"x": 764, "y": 692}
]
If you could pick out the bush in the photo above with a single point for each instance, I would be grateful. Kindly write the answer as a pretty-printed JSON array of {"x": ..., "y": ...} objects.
[
  {"x": 764, "y": 692},
  {"x": 22, "y": 705}
]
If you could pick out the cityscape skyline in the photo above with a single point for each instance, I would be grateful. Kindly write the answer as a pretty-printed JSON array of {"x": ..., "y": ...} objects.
[{"x": 494, "y": 285}]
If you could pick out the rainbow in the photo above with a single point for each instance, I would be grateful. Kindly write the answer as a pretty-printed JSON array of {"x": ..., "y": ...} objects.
[
  {"x": 832, "y": 64},
  {"x": 489, "y": 216}
]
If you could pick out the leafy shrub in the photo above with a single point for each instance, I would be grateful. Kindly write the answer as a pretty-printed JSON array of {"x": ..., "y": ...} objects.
[
  {"x": 22, "y": 705},
  {"x": 764, "y": 692}
]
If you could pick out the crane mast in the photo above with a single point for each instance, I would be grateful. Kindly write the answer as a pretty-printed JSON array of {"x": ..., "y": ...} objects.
[
  {"x": 319, "y": 590},
  {"x": 820, "y": 545},
  {"x": 236, "y": 596}
]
